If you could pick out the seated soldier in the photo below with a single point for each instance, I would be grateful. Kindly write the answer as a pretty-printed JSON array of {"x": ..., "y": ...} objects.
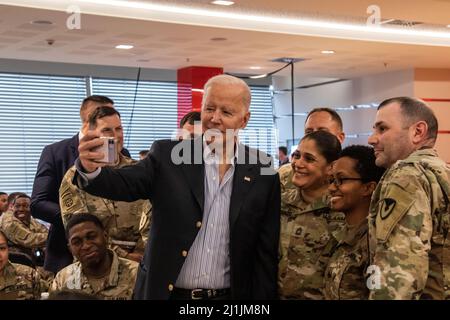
[
  {"x": 7, "y": 211},
  {"x": 24, "y": 233},
  {"x": 17, "y": 282},
  {"x": 120, "y": 219},
  {"x": 3, "y": 202},
  {"x": 98, "y": 270}
]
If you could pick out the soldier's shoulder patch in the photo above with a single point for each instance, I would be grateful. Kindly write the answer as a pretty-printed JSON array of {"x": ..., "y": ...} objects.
[
  {"x": 67, "y": 200},
  {"x": 386, "y": 207},
  {"x": 392, "y": 207}
]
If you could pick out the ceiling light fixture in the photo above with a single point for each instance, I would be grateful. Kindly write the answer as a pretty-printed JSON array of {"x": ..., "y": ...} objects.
[
  {"x": 243, "y": 21},
  {"x": 218, "y": 39},
  {"x": 42, "y": 22},
  {"x": 125, "y": 46},
  {"x": 327, "y": 51},
  {"x": 223, "y": 3}
]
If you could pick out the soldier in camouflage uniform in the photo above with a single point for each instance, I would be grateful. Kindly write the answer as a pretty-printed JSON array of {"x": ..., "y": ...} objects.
[
  {"x": 306, "y": 219},
  {"x": 122, "y": 220},
  {"x": 24, "y": 232},
  {"x": 409, "y": 211},
  {"x": 354, "y": 179},
  {"x": 3, "y": 202},
  {"x": 17, "y": 282},
  {"x": 98, "y": 270}
]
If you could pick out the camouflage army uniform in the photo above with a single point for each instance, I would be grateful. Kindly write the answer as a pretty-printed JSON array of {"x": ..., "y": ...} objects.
[
  {"x": 118, "y": 285},
  {"x": 408, "y": 230},
  {"x": 304, "y": 236},
  {"x": 345, "y": 273},
  {"x": 19, "y": 282},
  {"x": 122, "y": 220},
  {"x": 30, "y": 237}
]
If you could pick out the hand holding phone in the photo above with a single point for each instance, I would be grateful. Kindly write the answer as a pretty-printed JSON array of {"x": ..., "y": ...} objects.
[{"x": 109, "y": 149}]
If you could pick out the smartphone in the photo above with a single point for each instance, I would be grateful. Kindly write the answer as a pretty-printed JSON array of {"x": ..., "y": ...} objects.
[{"x": 109, "y": 149}]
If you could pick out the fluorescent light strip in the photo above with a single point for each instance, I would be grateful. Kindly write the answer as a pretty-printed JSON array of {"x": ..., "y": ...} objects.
[
  {"x": 223, "y": 3},
  {"x": 211, "y": 18},
  {"x": 124, "y": 46}
]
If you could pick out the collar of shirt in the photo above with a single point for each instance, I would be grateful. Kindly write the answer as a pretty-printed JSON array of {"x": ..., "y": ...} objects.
[
  {"x": 210, "y": 157},
  {"x": 80, "y": 135}
]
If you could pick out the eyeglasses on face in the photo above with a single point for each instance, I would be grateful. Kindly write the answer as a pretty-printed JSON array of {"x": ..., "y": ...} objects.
[{"x": 339, "y": 181}]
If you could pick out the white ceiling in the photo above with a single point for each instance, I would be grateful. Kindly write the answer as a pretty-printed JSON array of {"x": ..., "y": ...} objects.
[{"x": 173, "y": 45}]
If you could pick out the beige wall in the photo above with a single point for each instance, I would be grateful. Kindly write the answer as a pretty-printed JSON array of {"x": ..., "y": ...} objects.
[{"x": 434, "y": 84}]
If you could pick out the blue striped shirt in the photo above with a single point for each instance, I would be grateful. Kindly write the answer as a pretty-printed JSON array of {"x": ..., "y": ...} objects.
[{"x": 207, "y": 264}]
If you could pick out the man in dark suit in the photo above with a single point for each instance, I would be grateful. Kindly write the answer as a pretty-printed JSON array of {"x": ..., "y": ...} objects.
[
  {"x": 215, "y": 226},
  {"x": 55, "y": 160}
]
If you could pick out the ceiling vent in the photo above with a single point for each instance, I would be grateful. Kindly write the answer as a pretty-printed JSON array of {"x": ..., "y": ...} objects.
[
  {"x": 400, "y": 23},
  {"x": 287, "y": 60}
]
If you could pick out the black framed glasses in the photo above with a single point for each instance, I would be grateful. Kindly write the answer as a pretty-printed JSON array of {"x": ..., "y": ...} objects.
[{"x": 339, "y": 181}]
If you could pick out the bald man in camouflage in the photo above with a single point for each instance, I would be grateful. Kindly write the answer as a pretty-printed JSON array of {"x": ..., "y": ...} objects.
[{"x": 409, "y": 211}]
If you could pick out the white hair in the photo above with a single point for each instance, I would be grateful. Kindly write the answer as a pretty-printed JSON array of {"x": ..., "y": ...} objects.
[{"x": 230, "y": 80}]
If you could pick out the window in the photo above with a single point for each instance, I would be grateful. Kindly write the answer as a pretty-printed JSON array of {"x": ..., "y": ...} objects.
[
  {"x": 36, "y": 110},
  {"x": 260, "y": 132},
  {"x": 154, "y": 115}
]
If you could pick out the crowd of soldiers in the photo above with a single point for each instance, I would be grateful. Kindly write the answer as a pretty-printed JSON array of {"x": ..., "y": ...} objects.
[{"x": 356, "y": 223}]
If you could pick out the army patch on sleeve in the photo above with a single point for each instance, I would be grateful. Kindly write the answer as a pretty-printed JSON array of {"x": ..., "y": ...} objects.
[
  {"x": 387, "y": 207},
  {"x": 391, "y": 209},
  {"x": 68, "y": 201}
]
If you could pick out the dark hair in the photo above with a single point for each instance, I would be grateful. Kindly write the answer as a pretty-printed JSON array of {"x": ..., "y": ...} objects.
[
  {"x": 80, "y": 218},
  {"x": 283, "y": 149},
  {"x": 334, "y": 115},
  {"x": 2, "y": 193},
  {"x": 365, "y": 158},
  {"x": 12, "y": 196},
  {"x": 21, "y": 195},
  {"x": 66, "y": 294},
  {"x": 190, "y": 118},
  {"x": 327, "y": 143},
  {"x": 99, "y": 113},
  {"x": 415, "y": 110},
  {"x": 96, "y": 99}
]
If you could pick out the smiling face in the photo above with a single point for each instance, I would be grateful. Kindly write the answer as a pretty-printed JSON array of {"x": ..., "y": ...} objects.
[
  {"x": 391, "y": 137},
  {"x": 21, "y": 209},
  {"x": 223, "y": 108},
  {"x": 87, "y": 242},
  {"x": 310, "y": 167},
  {"x": 111, "y": 126},
  {"x": 3, "y": 203},
  {"x": 351, "y": 193}
]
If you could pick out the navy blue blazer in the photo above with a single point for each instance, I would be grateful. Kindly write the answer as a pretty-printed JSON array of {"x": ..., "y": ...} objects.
[
  {"x": 55, "y": 160},
  {"x": 177, "y": 196}
]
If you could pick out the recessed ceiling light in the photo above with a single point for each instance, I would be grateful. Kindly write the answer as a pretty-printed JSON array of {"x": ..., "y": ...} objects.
[
  {"x": 255, "y": 68},
  {"x": 41, "y": 22},
  {"x": 327, "y": 51},
  {"x": 124, "y": 46},
  {"x": 218, "y": 39},
  {"x": 223, "y": 3}
]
